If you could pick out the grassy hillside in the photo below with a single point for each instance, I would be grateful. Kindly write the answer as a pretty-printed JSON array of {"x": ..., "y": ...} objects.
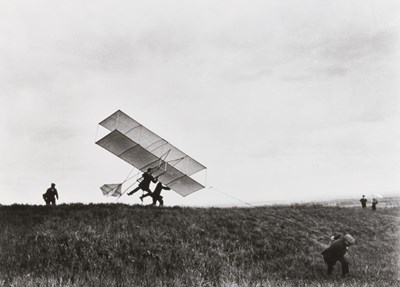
[{"x": 121, "y": 245}]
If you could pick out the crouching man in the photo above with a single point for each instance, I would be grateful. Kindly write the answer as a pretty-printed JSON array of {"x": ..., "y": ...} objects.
[
  {"x": 51, "y": 195},
  {"x": 336, "y": 251}
]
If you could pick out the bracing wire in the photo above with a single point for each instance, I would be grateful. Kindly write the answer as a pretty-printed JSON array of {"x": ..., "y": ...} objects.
[
  {"x": 126, "y": 189},
  {"x": 130, "y": 186},
  {"x": 249, "y": 204},
  {"x": 134, "y": 176},
  {"x": 128, "y": 176},
  {"x": 276, "y": 216}
]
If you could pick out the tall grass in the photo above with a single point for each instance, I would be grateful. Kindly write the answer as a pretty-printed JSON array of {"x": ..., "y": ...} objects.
[{"x": 121, "y": 245}]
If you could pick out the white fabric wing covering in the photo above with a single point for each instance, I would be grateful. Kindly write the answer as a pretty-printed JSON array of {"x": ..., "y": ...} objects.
[{"x": 111, "y": 189}]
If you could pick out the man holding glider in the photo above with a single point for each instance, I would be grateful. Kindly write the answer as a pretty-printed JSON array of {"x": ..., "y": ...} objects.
[{"x": 156, "y": 195}]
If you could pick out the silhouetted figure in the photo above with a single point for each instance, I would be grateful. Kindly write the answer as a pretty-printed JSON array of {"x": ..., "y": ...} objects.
[
  {"x": 145, "y": 182},
  {"x": 374, "y": 203},
  {"x": 156, "y": 195},
  {"x": 363, "y": 201},
  {"x": 51, "y": 195},
  {"x": 336, "y": 251}
]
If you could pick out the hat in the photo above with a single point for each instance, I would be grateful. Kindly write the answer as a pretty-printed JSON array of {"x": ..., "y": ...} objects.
[{"x": 349, "y": 239}]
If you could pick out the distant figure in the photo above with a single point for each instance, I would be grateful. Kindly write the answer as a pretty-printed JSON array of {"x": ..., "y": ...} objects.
[
  {"x": 363, "y": 201},
  {"x": 156, "y": 195},
  {"x": 336, "y": 251},
  {"x": 51, "y": 195},
  {"x": 145, "y": 183},
  {"x": 374, "y": 203}
]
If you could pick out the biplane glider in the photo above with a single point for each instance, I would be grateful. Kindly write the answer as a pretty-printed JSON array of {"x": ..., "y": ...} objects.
[{"x": 143, "y": 149}]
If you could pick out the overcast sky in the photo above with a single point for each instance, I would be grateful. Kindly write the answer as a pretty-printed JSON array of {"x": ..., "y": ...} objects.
[{"x": 281, "y": 100}]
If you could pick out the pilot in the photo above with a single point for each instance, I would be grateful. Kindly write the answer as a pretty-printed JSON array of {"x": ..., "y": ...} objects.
[{"x": 144, "y": 185}]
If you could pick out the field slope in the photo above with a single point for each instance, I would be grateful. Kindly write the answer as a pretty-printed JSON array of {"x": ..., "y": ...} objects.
[{"x": 122, "y": 245}]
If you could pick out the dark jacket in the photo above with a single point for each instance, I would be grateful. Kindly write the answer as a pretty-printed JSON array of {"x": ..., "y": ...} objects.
[
  {"x": 51, "y": 193},
  {"x": 159, "y": 187},
  {"x": 147, "y": 178},
  {"x": 335, "y": 251}
]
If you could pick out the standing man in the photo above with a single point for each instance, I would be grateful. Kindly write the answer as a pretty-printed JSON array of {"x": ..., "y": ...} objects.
[
  {"x": 363, "y": 201},
  {"x": 336, "y": 251},
  {"x": 51, "y": 195},
  {"x": 374, "y": 203}
]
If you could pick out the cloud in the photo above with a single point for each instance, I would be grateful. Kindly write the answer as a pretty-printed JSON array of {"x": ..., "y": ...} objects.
[
  {"x": 361, "y": 45},
  {"x": 359, "y": 50}
]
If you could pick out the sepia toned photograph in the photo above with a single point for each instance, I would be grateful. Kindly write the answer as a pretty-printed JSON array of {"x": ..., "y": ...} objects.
[{"x": 200, "y": 143}]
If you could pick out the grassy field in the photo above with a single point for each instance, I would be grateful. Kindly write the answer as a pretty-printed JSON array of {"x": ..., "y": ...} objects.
[{"x": 121, "y": 245}]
